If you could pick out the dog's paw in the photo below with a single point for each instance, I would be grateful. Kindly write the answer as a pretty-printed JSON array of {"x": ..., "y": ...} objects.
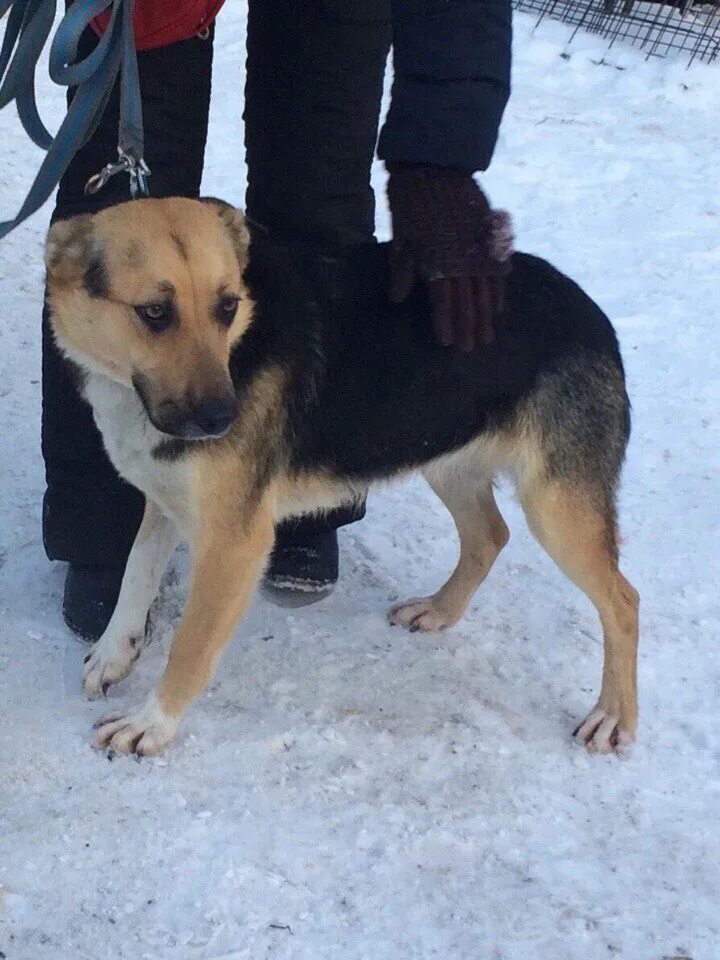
[
  {"x": 145, "y": 732},
  {"x": 604, "y": 731},
  {"x": 109, "y": 662},
  {"x": 424, "y": 614}
]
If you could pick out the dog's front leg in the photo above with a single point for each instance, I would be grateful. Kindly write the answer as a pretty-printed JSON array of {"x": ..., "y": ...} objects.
[
  {"x": 113, "y": 656},
  {"x": 229, "y": 555}
]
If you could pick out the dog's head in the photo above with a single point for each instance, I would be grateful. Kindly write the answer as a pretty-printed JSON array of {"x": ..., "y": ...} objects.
[{"x": 151, "y": 294}]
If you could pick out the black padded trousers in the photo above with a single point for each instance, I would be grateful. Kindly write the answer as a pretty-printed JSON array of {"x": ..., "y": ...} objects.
[{"x": 314, "y": 83}]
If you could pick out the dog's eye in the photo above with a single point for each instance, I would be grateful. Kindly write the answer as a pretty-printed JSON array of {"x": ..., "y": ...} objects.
[
  {"x": 226, "y": 309},
  {"x": 156, "y": 316}
]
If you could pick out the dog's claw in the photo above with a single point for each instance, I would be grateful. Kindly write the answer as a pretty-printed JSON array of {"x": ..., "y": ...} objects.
[
  {"x": 604, "y": 731},
  {"x": 110, "y": 718},
  {"x": 144, "y": 732},
  {"x": 425, "y": 615}
]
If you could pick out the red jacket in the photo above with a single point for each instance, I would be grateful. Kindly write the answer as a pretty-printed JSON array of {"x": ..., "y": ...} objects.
[{"x": 161, "y": 22}]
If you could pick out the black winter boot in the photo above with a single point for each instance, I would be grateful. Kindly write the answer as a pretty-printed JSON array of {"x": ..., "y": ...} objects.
[
  {"x": 304, "y": 563},
  {"x": 91, "y": 594}
]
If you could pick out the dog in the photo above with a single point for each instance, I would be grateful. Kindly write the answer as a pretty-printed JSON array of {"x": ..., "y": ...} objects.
[{"x": 238, "y": 384}]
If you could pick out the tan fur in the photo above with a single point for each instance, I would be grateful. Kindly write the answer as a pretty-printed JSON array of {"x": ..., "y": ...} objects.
[
  {"x": 226, "y": 496},
  {"x": 300, "y": 494},
  {"x": 482, "y": 533},
  {"x": 579, "y": 541},
  {"x": 228, "y": 559},
  {"x": 135, "y": 240}
]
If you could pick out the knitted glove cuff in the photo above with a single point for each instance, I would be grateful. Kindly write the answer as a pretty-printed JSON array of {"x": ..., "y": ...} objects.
[{"x": 443, "y": 220}]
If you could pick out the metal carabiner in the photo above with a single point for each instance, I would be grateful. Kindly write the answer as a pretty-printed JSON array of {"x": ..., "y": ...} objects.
[
  {"x": 137, "y": 170},
  {"x": 139, "y": 173},
  {"x": 98, "y": 180}
]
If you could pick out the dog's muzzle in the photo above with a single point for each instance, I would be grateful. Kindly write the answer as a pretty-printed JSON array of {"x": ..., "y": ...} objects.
[
  {"x": 200, "y": 420},
  {"x": 212, "y": 418}
]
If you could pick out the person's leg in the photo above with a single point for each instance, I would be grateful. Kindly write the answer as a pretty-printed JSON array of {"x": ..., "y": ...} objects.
[
  {"x": 312, "y": 102},
  {"x": 90, "y": 515}
]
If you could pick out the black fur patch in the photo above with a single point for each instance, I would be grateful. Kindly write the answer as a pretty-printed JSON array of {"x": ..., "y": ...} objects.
[
  {"x": 171, "y": 449},
  {"x": 77, "y": 375},
  {"x": 370, "y": 392},
  {"x": 96, "y": 279}
]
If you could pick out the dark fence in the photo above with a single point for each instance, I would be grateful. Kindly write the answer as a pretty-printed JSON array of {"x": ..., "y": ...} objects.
[{"x": 659, "y": 28}]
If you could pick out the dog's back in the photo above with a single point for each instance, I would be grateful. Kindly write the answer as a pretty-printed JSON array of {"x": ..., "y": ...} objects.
[{"x": 373, "y": 393}]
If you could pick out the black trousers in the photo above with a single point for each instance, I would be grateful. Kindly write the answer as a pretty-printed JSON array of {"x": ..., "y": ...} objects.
[{"x": 312, "y": 99}]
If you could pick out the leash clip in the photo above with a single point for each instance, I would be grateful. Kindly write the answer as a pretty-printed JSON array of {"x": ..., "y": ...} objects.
[{"x": 137, "y": 170}]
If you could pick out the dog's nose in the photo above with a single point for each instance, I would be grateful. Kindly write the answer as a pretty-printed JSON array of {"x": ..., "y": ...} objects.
[{"x": 214, "y": 417}]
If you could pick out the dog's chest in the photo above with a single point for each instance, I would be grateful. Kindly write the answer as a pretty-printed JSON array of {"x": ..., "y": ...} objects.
[{"x": 130, "y": 439}]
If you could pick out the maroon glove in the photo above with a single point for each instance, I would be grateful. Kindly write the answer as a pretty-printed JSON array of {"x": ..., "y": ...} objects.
[{"x": 445, "y": 234}]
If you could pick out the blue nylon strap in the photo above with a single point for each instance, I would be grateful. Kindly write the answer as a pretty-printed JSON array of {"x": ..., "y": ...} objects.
[
  {"x": 19, "y": 82},
  {"x": 63, "y": 50},
  {"x": 130, "y": 133},
  {"x": 17, "y": 15},
  {"x": 27, "y": 29}
]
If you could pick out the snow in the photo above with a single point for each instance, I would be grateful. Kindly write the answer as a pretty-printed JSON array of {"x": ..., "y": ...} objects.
[{"x": 353, "y": 792}]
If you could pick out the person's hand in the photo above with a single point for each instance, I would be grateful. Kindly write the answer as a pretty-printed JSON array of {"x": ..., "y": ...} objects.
[{"x": 446, "y": 235}]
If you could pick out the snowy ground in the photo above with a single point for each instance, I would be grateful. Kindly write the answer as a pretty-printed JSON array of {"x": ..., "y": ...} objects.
[{"x": 352, "y": 792}]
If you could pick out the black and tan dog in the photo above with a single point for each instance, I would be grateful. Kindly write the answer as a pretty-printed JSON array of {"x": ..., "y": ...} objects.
[{"x": 234, "y": 398}]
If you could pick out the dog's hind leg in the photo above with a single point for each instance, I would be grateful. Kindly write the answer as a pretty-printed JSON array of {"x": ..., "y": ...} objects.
[
  {"x": 577, "y": 528},
  {"x": 113, "y": 656},
  {"x": 482, "y": 533}
]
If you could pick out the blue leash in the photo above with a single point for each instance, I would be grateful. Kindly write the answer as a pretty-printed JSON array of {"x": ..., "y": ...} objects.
[{"x": 28, "y": 27}]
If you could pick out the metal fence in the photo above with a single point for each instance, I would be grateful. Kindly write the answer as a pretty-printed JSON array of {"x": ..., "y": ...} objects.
[{"x": 678, "y": 27}]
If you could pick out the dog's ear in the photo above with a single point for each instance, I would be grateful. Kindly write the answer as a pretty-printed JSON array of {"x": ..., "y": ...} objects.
[
  {"x": 234, "y": 220},
  {"x": 73, "y": 256}
]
